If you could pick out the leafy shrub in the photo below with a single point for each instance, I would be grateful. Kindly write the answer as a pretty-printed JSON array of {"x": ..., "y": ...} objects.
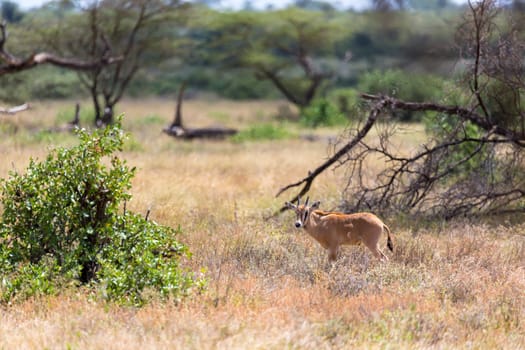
[
  {"x": 445, "y": 127},
  {"x": 61, "y": 225},
  {"x": 142, "y": 255},
  {"x": 262, "y": 132},
  {"x": 322, "y": 113},
  {"x": 504, "y": 102}
]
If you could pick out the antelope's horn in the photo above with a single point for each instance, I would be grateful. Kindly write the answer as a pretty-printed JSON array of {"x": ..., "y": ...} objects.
[
  {"x": 306, "y": 203},
  {"x": 298, "y": 200}
]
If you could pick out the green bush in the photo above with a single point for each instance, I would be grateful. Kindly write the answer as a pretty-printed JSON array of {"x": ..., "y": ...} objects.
[
  {"x": 322, "y": 113},
  {"x": 444, "y": 127},
  {"x": 61, "y": 225},
  {"x": 262, "y": 132}
]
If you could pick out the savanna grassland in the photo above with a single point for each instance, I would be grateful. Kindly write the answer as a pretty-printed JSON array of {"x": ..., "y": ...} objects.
[{"x": 448, "y": 285}]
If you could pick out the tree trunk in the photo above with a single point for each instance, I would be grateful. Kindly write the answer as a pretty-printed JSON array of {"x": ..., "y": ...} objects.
[
  {"x": 108, "y": 116},
  {"x": 88, "y": 271},
  {"x": 96, "y": 107},
  {"x": 177, "y": 122}
]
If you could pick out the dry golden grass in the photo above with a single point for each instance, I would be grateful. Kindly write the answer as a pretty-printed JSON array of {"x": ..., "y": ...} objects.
[{"x": 458, "y": 285}]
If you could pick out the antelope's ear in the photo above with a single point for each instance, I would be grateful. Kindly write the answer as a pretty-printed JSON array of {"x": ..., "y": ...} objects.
[
  {"x": 316, "y": 205},
  {"x": 290, "y": 205}
]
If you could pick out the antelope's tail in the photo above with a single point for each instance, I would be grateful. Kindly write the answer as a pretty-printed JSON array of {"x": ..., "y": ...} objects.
[{"x": 389, "y": 243}]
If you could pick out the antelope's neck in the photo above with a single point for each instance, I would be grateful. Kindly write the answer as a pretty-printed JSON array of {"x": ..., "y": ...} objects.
[{"x": 311, "y": 223}]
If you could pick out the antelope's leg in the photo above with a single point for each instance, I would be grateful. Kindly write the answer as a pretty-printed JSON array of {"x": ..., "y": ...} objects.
[{"x": 333, "y": 252}]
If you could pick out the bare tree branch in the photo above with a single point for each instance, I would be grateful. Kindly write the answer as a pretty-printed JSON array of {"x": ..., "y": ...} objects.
[
  {"x": 482, "y": 16},
  {"x": 14, "y": 110}
]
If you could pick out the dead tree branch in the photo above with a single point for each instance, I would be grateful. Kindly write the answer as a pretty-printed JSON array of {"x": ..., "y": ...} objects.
[{"x": 14, "y": 110}]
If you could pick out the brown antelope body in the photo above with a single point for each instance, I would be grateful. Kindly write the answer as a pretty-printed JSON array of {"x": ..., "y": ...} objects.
[{"x": 333, "y": 229}]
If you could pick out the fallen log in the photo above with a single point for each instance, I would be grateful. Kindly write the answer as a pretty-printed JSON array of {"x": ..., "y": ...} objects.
[{"x": 195, "y": 133}]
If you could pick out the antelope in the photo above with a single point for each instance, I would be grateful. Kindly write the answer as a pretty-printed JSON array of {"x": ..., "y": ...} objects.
[{"x": 332, "y": 229}]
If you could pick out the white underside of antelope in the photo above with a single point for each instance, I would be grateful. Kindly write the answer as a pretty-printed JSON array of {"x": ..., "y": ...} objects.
[{"x": 332, "y": 229}]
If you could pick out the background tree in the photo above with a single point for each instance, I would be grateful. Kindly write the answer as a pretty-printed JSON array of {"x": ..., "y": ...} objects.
[{"x": 289, "y": 48}]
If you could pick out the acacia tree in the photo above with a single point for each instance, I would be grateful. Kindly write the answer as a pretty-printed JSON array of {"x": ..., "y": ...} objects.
[
  {"x": 140, "y": 31},
  {"x": 289, "y": 47},
  {"x": 473, "y": 164}
]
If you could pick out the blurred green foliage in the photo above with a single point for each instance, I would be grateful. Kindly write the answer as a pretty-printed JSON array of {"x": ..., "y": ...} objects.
[
  {"x": 322, "y": 113},
  {"x": 261, "y": 132},
  {"x": 44, "y": 82},
  {"x": 66, "y": 115},
  {"x": 241, "y": 54},
  {"x": 10, "y": 11}
]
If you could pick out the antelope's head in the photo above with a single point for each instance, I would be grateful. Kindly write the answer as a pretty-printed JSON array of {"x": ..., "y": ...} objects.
[{"x": 302, "y": 211}]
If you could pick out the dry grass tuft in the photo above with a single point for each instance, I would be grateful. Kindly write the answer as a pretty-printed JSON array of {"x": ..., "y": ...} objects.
[{"x": 451, "y": 285}]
